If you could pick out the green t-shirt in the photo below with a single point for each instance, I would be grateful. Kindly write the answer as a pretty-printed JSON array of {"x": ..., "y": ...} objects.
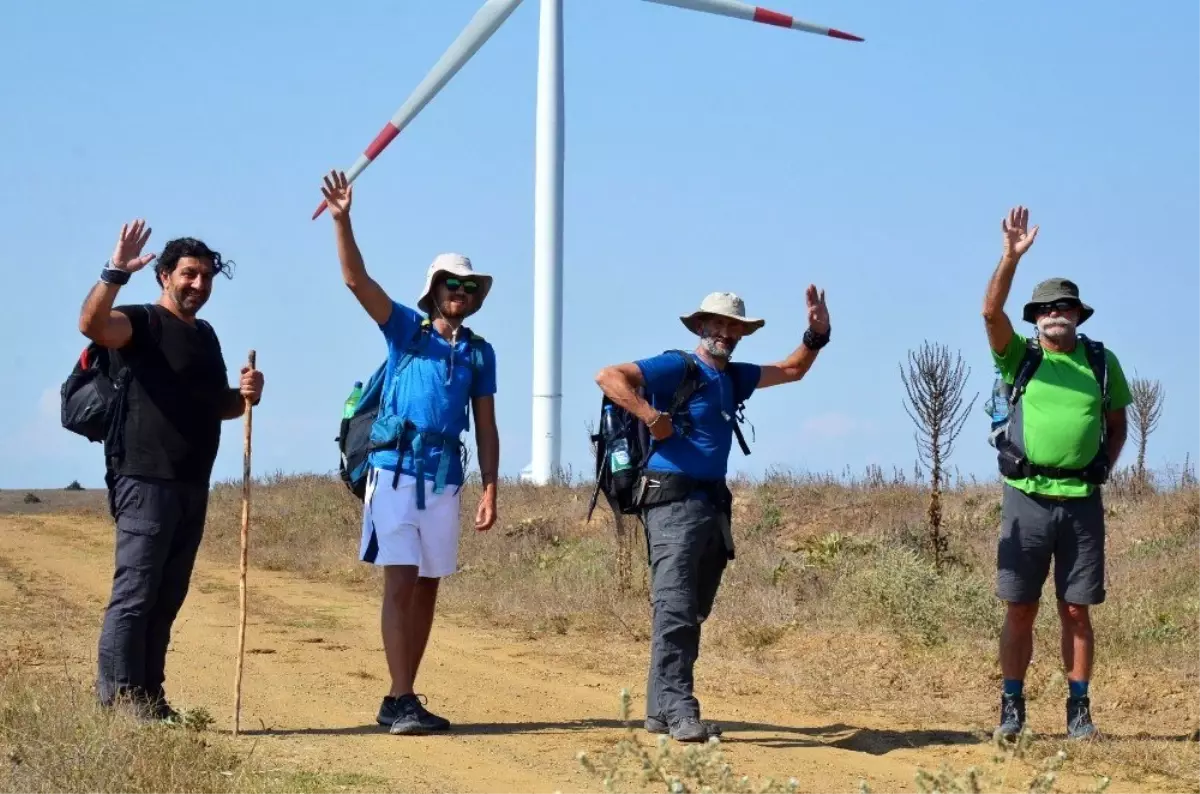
[{"x": 1060, "y": 413}]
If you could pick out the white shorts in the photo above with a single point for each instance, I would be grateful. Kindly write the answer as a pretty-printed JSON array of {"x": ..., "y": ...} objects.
[{"x": 395, "y": 532}]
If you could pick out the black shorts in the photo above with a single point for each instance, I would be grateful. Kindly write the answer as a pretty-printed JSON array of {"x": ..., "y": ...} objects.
[{"x": 1034, "y": 528}]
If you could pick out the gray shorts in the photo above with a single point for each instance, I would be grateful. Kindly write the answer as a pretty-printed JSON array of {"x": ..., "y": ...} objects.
[{"x": 1034, "y": 528}]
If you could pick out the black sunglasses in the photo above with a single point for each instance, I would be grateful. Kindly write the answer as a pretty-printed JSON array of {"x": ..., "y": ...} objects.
[
  {"x": 1059, "y": 305},
  {"x": 468, "y": 286}
]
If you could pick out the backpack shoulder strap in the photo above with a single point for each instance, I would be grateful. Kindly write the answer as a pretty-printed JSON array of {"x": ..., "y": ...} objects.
[
  {"x": 688, "y": 384},
  {"x": 475, "y": 350},
  {"x": 739, "y": 408},
  {"x": 1029, "y": 364},
  {"x": 414, "y": 344},
  {"x": 1098, "y": 361}
]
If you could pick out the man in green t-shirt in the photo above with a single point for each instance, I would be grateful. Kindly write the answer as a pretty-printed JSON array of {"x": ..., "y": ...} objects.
[{"x": 1060, "y": 443}]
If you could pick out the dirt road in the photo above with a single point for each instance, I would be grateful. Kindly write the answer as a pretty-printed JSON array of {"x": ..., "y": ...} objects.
[{"x": 522, "y": 709}]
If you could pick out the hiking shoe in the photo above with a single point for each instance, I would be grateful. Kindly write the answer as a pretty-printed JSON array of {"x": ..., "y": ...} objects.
[
  {"x": 413, "y": 718},
  {"x": 1012, "y": 716},
  {"x": 157, "y": 708},
  {"x": 689, "y": 729},
  {"x": 1079, "y": 718},
  {"x": 389, "y": 710},
  {"x": 438, "y": 723},
  {"x": 658, "y": 725}
]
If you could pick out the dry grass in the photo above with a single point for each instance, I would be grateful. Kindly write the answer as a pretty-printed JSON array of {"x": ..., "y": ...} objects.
[
  {"x": 55, "y": 737},
  {"x": 833, "y": 594}
]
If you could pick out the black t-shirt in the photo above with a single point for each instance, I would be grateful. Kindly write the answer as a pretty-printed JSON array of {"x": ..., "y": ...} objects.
[{"x": 177, "y": 393}]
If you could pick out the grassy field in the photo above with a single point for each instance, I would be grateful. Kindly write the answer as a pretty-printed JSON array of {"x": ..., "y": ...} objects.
[
  {"x": 833, "y": 590},
  {"x": 833, "y": 593}
]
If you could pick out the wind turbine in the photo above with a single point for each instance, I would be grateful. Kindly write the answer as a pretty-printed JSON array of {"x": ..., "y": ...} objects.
[{"x": 548, "y": 183}]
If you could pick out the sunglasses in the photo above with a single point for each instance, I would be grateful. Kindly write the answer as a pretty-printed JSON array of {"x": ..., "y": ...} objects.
[
  {"x": 467, "y": 285},
  {"x": 1059, "y": 305}
]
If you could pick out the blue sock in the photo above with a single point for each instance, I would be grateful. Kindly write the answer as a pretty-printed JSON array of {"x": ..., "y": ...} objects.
[
  {"x": 1013, "y": 686},
  {"x": 1078, "y": 689}
]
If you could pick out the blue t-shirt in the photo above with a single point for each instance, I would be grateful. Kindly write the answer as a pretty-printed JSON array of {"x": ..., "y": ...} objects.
[
  {"x": 420, "y": 393},
  {"x": 699, "y": 448}
]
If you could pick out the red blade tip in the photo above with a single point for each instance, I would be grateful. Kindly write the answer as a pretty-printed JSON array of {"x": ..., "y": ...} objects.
[
  {"x": 837, "y": 34},
  {"x": 320, "y": 209}
]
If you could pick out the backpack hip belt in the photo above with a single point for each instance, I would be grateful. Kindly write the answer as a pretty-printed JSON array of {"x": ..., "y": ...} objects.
[
  {"x": 663, "y": 487},
  {"x": 411, "y": 438},
  {"x": 1019, "y": 467}
]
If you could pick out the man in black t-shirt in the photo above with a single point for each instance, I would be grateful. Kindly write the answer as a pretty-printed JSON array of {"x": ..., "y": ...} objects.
[{"x": 161, "y": 458}]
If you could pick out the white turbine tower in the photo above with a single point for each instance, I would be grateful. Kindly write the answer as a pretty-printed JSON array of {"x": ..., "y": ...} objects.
[{"x": 548, "y": 184}]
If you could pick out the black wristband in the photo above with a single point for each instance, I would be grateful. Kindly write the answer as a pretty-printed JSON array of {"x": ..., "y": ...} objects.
[
  {"x": 110, "y": 275},
  {"x": 815, "y": 341}
]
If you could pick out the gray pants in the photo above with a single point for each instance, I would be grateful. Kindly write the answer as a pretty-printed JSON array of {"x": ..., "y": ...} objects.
[
  {"x": 1034, "y": 529},
  {"x": 686, "y": 543},
  {"x": 159, "y": 526}
]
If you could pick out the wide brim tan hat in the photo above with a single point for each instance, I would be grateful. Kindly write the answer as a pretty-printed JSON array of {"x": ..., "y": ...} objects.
[
  {"x": 721, "y": 304},
  {"x": 453, "y": 265}
]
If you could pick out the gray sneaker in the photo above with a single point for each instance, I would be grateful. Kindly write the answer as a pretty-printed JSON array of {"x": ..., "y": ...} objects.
[
  {"x": 657, "y": 724},
  {"x": 1079, "y": 719},
  {"x": 689, "y": 729}
]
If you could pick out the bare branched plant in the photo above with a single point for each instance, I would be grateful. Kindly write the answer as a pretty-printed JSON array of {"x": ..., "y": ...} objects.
[
  {"x": 1148, "y": 396},
  {"x": 934, "y": 382}
]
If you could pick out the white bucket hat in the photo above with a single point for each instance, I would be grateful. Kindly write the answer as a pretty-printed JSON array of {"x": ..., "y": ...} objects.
[
  {"x": 722, "y": 304},
  {"x": 454, "y": 265}
]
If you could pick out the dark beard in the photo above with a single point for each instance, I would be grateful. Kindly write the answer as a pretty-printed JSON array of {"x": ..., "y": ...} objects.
[
  {"x": 181, "y": 297},
  {"x": 454, "y": 312}
]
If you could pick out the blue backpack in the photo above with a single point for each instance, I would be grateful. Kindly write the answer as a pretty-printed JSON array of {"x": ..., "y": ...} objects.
[{"x": 358, "y": 435}]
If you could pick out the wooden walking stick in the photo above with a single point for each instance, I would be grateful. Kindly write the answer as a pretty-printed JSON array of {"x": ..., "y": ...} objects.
[{"x": 237, "y": 683}]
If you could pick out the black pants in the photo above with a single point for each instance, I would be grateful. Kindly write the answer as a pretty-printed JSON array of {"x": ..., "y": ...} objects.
[
  {"x": 159, "y": 526},
  {"x": 688, "y": 555}
]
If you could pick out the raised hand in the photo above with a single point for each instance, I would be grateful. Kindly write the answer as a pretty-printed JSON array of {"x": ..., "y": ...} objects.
[
  {"x": 1017, "y": 234},
  {"x": 338, "y": 193},
  {"x": 818, "y": 313},
  {"x": 130, "y": 242}
]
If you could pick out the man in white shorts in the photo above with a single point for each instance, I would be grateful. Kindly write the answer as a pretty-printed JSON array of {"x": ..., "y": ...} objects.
[{"x": 438, "y": 373}]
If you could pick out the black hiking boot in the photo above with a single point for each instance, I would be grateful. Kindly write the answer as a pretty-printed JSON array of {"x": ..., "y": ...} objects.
[
  {"x": 657, "y": 724},
  {"x": 413, "y": 718},
  {"x": 159, "y": 709},
  {"x": 1079, "y": 719},
  {"x": 1012, "y": 716}
]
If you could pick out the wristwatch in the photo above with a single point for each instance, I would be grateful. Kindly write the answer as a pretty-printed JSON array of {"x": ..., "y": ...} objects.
[{"x": 114, "y": 275}]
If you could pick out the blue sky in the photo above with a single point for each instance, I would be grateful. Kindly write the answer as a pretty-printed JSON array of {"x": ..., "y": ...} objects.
[{"x": 703, "y": 154}]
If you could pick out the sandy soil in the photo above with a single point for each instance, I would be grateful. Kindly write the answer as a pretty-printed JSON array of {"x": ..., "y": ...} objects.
[{"x": 522, "y": 709}]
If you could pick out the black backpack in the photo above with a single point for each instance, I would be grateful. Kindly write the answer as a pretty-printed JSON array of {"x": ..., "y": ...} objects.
[
  {"x": 93, "y": 395},
  {"x": 620, "y": 489},
  {"x": 1012, "y": 462}
]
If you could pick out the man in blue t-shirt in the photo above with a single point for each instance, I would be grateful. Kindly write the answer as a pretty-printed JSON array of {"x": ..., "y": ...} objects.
[
  {"x": 437, "y": 370},
  {"x": 686, "y": 506}
]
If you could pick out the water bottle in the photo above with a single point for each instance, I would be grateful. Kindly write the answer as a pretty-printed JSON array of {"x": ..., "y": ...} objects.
[
  {"x": 618, "y": 447},
  {"x": 352, "y": 400},
  {"x": 997, "y": 405}
]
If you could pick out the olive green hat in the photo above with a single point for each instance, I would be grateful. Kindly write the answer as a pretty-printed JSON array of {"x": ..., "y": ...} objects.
[{"x": 1055, "y": 289}]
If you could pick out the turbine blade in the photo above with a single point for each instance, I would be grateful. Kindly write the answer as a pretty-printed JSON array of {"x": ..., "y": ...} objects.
[
  {"x": 752, "y": 13},
  {"x": 486, "y": 21}
]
